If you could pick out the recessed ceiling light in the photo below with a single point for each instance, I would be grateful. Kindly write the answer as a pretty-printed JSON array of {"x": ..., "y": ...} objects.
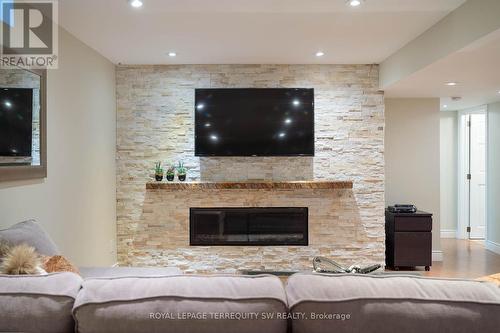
[
  {"x": 354, "y": 3},
  {"x": 8, "y": 104},
  {"x": 451, "y": 84},
  {"x": 135, "y": 3},
  {"x": 288, "y": 121},
  {"x": 296, "y": 102},
  {"x": 445, "y": 106},
  {"x": 172, "y": 54},
  {"x": 282, "y": 135},
  {"x": 320, "y": 54},
  {"x": 214, "y": 137}
]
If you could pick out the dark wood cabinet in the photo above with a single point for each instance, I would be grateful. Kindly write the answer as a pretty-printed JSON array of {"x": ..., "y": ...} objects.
[{"x": 408, "y": 239}]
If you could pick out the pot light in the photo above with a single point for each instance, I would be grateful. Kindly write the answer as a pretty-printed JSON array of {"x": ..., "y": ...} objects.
[
  {"x": 288, "y": 121},
  {"x": 200, "y": 106},
  {"x": 135, "y": 3},
  {"x": 172, "y": 54},
  {"x": 445, "y": 106},
  {"x": 451, "y": 84},
  {"x": 354, "y": 3},
  {"x": 282, "y": 135},
  {"x": 8, "y": 104},
  {"x": 320, "y": 54},
  {"x": 296, "y": 102},
  {"x": 214, "y": 137}
]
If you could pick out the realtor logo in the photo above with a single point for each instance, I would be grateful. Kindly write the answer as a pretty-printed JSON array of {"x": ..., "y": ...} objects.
[{"x": 29, "y": 33}]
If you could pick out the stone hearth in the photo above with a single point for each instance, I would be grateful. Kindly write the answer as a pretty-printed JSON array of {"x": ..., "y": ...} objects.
[{"x": 162, "y": 234}]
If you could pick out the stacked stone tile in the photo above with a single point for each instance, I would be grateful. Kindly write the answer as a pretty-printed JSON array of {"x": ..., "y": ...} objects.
[{"x": 155, "y": 120}]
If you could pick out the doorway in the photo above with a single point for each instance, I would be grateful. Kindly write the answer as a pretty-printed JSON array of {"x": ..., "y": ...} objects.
[{"x": 472, "y": 175}]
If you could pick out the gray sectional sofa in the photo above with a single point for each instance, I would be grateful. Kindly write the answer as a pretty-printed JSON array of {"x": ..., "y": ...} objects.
[
  {"x": 309, "y": 303},
  {"x": 164, "y": 300},
  {"x": 393, "y": 304}
]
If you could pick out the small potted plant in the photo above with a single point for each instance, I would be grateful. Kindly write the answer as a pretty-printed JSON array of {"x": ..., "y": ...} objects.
[
  {"x": 181, "y": 172},
  {"x": 158, "y": 172},
  {"x": 170, "y": 173}
]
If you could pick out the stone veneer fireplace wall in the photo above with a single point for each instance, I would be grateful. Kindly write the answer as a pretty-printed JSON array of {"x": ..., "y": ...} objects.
[{"x": 155, "y": 119}]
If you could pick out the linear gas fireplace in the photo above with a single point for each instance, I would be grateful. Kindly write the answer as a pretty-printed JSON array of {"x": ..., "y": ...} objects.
[{"x": 248, "y": 226}]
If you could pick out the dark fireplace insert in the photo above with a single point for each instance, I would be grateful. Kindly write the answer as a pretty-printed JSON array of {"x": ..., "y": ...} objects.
[{"x": 248, "y": 226}]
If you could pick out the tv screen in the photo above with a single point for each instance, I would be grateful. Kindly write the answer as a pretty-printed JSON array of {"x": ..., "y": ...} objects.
[
  {"x": 254, "y": 122},
  {"x": 16, "y": 113}
]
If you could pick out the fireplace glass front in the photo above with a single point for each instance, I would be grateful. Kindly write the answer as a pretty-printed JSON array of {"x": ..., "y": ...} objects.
[{"x": 249, "y": 226}]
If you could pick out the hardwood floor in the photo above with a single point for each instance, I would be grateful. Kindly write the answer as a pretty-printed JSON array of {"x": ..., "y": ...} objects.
[{"x": 465, "y": 259}]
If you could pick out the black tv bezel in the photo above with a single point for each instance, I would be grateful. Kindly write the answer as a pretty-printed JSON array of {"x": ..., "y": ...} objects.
[{"x": 256, "y": 155}]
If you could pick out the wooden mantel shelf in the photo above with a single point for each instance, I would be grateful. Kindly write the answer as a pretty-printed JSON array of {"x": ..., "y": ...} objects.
[{"x": 250, "y": 185}]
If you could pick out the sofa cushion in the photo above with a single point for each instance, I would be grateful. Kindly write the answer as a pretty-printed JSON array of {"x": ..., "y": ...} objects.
[
  {"x": 31, "y": 233},
  {"x": 109, "y": 272},
  {"x": 38, "y": 303},
  {"x": 364, "y": 303},
  {"x": 181, "y": 304}
]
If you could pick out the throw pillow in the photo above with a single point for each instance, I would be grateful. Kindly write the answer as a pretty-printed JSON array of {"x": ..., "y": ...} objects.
[
  {"x": 58, "y": 263},
  {"x": 30, "y": 233}
]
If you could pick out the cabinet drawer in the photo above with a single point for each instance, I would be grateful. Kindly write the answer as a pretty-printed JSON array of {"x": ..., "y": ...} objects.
[
  {"x": 413, "y": 249},
  {"x": 413, "y": 223}
]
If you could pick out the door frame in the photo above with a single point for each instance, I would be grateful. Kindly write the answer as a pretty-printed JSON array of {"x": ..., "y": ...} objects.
[{"x": 463, "y": 200}]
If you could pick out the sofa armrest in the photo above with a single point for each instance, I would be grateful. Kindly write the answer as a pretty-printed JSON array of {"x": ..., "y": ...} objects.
[{"x": 38, "y": 303}]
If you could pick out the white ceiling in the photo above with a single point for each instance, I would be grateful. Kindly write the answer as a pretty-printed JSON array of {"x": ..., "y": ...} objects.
[
  {"x": 476, "y": 69},
  {"x": 249, "y": 31}
]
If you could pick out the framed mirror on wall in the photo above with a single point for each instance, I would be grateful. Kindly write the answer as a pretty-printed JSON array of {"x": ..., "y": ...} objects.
[{"x": 23, "y": 124}]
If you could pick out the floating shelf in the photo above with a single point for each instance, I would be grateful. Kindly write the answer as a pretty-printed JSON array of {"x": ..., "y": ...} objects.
[{"x": 249, "y": 185}]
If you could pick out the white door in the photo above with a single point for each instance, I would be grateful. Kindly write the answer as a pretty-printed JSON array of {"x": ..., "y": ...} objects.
[{"x": 478, "y": 176}]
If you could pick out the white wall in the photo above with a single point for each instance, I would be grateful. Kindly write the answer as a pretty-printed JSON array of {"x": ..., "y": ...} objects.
[
  {"x": 493, "y": 178},
  {"x": 412, "y": 160},
  {"x": 449, "y": 171},
  {"x": 463, "y": 26},
  {"x": 76, "y": 202}
]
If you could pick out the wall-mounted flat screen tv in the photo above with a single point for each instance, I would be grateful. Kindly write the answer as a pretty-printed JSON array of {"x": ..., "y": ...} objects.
[
  {"x": 254, "y": 122},
  {"x": 16, "y": 113}
]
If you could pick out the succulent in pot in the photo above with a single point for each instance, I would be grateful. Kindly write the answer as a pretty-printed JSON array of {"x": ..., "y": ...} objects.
[
  {"x": 170, "y": 173},
  {"x": 158, "y": 172},
  {"x": 181, "y": 172}
]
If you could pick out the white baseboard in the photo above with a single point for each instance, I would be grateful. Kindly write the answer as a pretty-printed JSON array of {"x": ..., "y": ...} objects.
[
  {"x": 492, "y": 246},
  {"x": 448, "y": 233},
  {"x": 437, "y": 255}
]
